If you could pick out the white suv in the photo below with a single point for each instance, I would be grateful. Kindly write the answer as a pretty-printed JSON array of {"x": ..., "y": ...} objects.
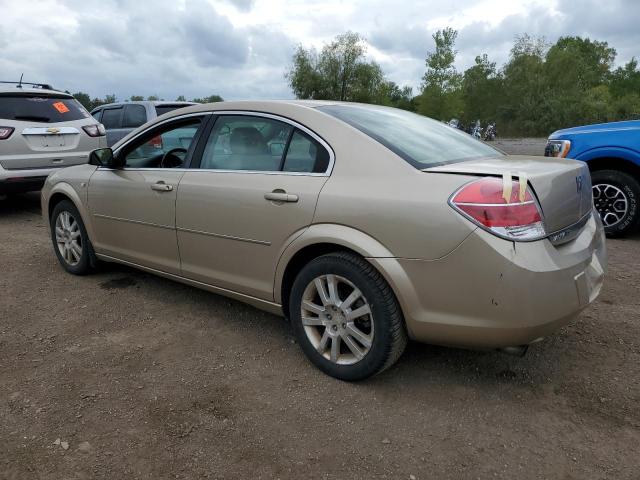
[{"x": 42, "y": 130}]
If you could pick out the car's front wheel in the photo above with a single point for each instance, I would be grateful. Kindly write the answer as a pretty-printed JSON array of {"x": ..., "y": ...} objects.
[
  {"x": 346, "y": 317},
  {"x": 616, "y": 196},
  {"x": 70, "y": 240}
]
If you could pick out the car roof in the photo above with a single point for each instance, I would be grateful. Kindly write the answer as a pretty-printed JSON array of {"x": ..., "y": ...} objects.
[
  {"x": 37, "y": 91},
  {"x": 145, "y": 102}
]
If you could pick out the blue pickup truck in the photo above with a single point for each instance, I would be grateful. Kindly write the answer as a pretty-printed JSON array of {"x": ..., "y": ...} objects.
[{"x": 612, "y": 151}]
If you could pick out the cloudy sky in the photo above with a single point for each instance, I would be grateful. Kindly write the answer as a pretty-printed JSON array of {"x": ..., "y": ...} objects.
[{"x": 241, "y": 48}]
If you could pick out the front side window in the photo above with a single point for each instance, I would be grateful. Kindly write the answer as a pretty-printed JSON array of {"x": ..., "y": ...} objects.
[
  {"x": 134, "y": 116},
  {"x": 41, "y": 108},
  {"x": 166, "y": 147},
  {"x": 112, "y": 118},
  {"x": 261, "y": 144},
  {"x": 421, "y": 141}
]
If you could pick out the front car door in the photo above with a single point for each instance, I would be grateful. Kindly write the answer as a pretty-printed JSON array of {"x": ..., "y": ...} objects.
[
  {"x": 133, "y": 209},
  {"x": 252, "y": 189}
]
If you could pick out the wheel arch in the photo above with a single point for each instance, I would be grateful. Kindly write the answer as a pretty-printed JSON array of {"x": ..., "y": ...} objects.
[
  {"x": 320, "y": 240},
  {"x": 63, "y": 191}
]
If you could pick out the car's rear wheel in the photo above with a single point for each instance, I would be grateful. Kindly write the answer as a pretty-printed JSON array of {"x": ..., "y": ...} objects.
[
  {"x": 346, "y": 317},
  {"x": 616, "y": 195},
  {"x": 70, "y": 240}
]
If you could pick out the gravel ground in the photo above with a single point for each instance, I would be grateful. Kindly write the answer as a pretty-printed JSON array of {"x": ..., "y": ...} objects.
[{"x": 123, "y": 375}]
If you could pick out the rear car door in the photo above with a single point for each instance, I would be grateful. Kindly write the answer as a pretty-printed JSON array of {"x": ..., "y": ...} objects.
[
  {"x": 133, "y": 209},
  {"x": 251, "y": 191}
]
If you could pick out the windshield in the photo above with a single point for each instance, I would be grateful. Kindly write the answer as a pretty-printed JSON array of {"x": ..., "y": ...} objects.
[
  {"x": 421, "y": 141},
  {"x": 39, "y": 108}
]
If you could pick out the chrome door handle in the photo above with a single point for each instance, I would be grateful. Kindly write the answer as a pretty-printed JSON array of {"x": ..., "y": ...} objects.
[
  {"x": 280, "y": 196},
  {"x": 161, "y": 187}
]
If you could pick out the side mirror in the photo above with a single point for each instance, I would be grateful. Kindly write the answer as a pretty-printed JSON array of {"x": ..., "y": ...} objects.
[{"x": 104, "y": 157}]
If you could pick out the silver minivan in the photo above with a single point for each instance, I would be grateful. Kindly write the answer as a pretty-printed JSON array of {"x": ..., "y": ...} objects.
[{"x": 41, "y": 131}]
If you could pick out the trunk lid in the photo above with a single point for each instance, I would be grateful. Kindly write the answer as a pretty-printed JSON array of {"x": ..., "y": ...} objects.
[{"x": 562, "y": 187}]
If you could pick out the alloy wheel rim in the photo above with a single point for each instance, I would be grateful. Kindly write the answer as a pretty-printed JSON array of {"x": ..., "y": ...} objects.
[
  {"x": 68, "y": 238},
  {"x": 337, "y": 319},
  {"x": 611, "y": 202}
]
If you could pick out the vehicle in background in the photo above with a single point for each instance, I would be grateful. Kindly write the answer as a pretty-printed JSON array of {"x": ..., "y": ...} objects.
[
  {"x": 364, "y": 225},
  {"x": 612, "y": 152},
  {"x": 41, "y": 131},
  {"x": 491, "y": 132},
  {"x": 476, "y": 130},
  {"x": 119, "y": 119}
]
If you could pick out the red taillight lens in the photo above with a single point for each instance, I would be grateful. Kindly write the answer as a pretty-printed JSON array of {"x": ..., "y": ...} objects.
[
  {"x": 501, "y": 207},
  {"x": 95, "y": 130},
  {"x": 5, "y": 132},
  {"x": 156, "y": 142}
]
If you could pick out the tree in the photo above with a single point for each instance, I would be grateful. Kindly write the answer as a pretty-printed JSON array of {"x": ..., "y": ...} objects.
[
  {"x": 84, "y": 99},
  {"x": 153, "y": 98},
  {"x": 441, "y": 83},
  {"x": 481, "y": 86},
  {"x": 181, "y": 98},
  {"x": 341, "y": 71},
  {"x": 209, "y": 99},
  {"x": 136, "y": 98}
]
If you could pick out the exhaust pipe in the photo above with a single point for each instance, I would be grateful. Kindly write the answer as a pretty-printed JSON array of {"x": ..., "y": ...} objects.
[{"x": 516, "y": 351}]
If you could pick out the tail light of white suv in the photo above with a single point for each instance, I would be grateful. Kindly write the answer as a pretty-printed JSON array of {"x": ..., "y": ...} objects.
[
  {"x": 95, "y": 130},
  {"x": 5, "y": 132}
]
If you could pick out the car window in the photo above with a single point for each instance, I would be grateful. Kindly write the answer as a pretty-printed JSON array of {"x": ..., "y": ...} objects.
[
  {"x": 134, "y": 116},
  {"x": 304, "y": 154},
  {"x": 166, "y": 147},
  {"x": 41, "y": 108},
  {"x": 421, "y": 141},
  {"x": 97, "y": 114},
  {"x": 162, "y": 109},
  {"x": 112, "y": 118},
  {"x": 240, "y": 142}
]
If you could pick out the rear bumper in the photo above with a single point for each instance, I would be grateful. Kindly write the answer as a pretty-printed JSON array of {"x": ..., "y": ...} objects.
[
  {"x": 491, "y": 293},
  {"x": 17, "y": 181}
]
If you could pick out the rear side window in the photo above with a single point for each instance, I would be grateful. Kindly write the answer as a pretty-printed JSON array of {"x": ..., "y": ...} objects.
[
  {"x": 97, "y": 114},
  {"x": 162, "y": 109},
  {"x": 41, "y": 108},
  {"x": 305, "y": 155},
  {"x": 421, "y": 141},
  {"x": 112, "y": 118},
  {"x": 134, "y": 116}
]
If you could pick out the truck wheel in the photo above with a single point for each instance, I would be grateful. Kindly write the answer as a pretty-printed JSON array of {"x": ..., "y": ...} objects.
[{"x": 616, "y": 196}]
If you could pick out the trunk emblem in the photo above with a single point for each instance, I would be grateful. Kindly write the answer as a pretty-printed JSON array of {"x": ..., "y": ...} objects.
[
  {"x": 53, "y": 130},
  {"x": 579, "y": 182}
]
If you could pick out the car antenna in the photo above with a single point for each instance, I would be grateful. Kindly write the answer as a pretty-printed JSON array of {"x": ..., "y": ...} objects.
[{"x": 20, "y": 82}]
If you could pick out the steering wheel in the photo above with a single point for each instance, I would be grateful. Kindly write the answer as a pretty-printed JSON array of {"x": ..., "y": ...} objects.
[{"x": 170, "y": 159}]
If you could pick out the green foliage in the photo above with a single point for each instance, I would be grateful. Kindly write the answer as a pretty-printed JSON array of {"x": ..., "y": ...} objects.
[
  {"x": 181, "y": 98},
  {"x": 136, "y": 98},
  {"x": 84, "y": 99},
  {"x": 341, "y": 71},
  {"x": 209, "y": 99}
]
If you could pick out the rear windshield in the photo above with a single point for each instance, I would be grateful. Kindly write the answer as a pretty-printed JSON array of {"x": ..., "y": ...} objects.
[
  {"x": 162, "y": 109},
  {"x": 43, "y": 109},
  {"x": 421, "y": 141}
]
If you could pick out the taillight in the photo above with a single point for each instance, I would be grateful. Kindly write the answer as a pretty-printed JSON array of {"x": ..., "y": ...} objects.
[
  {"x": 95, "y": 130},
  {"x": 501, "y": 206},
  {"x": 5, "y": 132},
  {"x": 557, "y": 148},
  {"x": 156, "y": 142}
]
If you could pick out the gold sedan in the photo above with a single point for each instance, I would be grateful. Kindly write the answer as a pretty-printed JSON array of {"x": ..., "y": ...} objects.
[{"x": 366, "y": 226}]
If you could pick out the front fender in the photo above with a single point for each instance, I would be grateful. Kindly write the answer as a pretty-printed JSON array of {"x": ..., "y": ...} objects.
[
  {"x": 610, "y": 152},
  {"x": 74, "y": 194}
]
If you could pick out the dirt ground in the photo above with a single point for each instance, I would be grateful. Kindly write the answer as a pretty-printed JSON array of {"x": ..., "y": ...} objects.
[{"x": 123, "y": 375}]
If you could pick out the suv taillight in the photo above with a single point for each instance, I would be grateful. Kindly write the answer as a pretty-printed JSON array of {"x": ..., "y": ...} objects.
[
  {"x": 95, "y": 130},
  {"x": 501, "y": 207},
  {"x": 5, "y": 132},
  {"x": 156, "y": 142}
]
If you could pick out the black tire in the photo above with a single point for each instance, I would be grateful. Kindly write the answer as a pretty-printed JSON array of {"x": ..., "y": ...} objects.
[
  {"x": 390, "y": 337},
  {"x": 87, "y": 261},
  {"x": 630, "y": 187}
]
